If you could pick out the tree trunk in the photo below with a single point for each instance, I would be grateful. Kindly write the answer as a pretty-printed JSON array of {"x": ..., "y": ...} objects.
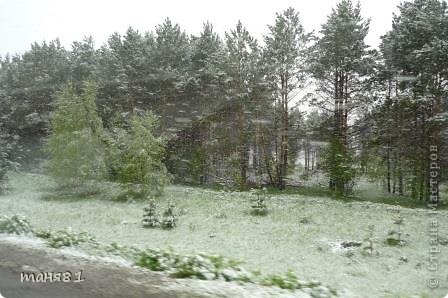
[{"x": 243, "y": 147}]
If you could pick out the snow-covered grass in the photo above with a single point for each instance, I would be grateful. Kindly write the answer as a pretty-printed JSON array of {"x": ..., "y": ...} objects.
[{"x": 297, "y": 233}]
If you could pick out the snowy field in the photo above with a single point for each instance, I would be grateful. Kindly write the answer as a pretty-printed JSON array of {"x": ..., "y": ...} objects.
[{"x": 300, "y": 233}]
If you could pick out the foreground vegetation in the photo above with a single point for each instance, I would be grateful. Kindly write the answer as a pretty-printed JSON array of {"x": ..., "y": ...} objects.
[
  {"x": 201, "y": 266},
  {"x": 300, "y": 233}
]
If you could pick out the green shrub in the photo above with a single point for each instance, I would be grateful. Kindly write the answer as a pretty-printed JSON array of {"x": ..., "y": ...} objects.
[
  {"x": 127, "y": 252},
  {"x": 150, "y": 259},
  {"x": 64, "y": 238},
  {"x": 213, "y": 267},
  {"x": 202, "y": 266},
  {"x": 15, "y": 225},
  {"x": 290, "y": 281},
  {"x": 44, "y": 234}
]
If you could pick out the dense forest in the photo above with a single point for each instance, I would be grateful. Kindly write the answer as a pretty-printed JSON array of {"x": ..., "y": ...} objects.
[
  {"x": 300, "y": 164},
  {"x": 231, "y": 110}
]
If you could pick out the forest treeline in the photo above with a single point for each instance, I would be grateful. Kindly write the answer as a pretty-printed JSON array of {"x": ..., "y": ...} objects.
[{"x": 229, "y": 106}]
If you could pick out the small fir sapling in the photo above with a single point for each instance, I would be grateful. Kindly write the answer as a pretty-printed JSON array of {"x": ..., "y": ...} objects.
[
  {"x": 394, "y": 235},
  {"x": 368, "y": 241},
  {"x": 259, "y": 206},
  {"x": 150, "y": 217},
  {"x": 169, "y": 218}
]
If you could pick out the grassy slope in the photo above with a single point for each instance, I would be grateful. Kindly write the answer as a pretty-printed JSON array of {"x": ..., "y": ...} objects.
[{"x": 218, "y": 222}]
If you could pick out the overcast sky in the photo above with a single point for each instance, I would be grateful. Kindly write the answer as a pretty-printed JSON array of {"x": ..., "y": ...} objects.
[{"x": 25, "y": 21}]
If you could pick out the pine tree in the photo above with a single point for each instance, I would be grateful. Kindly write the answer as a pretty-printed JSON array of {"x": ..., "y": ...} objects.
[
  {"x": 29, "y": 83},
  {"x": 113, "y": 80},
  {"x": 415, "y": 55},
  {"x": 83, "y": 60},
  {"x": 284, "y": 54},
  {"x": 207, "y": 71},
  {"x": 242, "y": 55},
  {"x": 340, "y": 63},
  {"x": 169, "y": 59}
]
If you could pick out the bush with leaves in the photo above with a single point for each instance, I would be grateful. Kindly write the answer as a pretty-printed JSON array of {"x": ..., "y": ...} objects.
[
  {"x": 19, "y": 225},
  {"x": 201, "y": 266},
  {"x": 64, "y": 238},
  {"x": 290, "y": 281},
  {"x": 76, "y": 152},
  {"x": 215, "y": 267},
  {"x": 15, "y": 225},
  {"x": 287, "y": 281},
  {"x": 135, "y": 156}
]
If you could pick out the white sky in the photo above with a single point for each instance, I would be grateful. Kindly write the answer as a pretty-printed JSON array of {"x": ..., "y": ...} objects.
[{"x": 25, "y": 21}]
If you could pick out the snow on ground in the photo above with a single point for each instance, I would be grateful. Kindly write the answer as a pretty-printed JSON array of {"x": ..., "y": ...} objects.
[{"x": 297, "y": 234}]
